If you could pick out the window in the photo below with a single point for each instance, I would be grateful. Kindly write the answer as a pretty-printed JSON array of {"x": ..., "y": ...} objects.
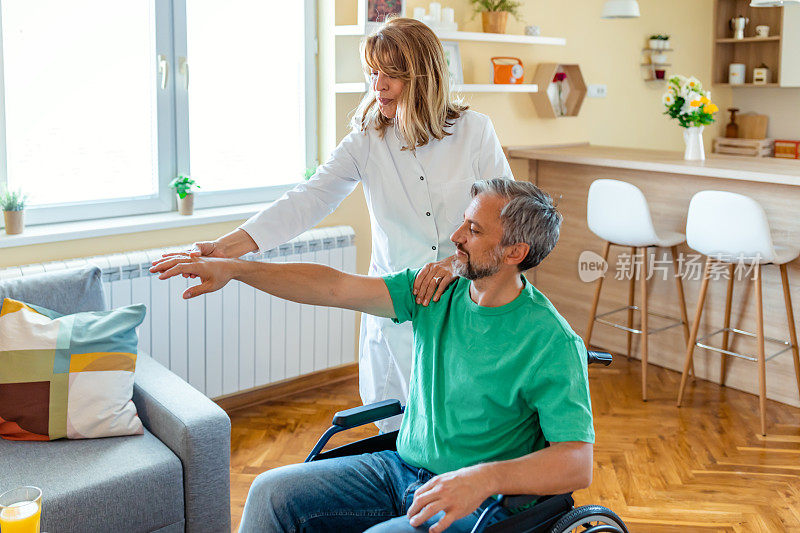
[{"x": 97, "y": 114}]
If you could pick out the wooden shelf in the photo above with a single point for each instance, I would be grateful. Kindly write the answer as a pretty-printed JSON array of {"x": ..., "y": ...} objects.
[
  {"x": 574, "y": 98},
  {"x": 360, "y": 87},
  {"x": 771, "y": 38},
  {"x": 656, "y": 65},
  {"x": 748, "y": 85},
  {"x": 356, "y": 30},
  {"x": 775, "y": 51}
]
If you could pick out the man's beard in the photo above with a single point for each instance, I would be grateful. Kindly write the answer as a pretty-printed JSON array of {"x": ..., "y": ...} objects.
[{"x": 472, "y": 271}]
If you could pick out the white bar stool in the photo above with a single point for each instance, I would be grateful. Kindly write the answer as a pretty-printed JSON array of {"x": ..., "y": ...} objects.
[
  {"x": 618, "y": 213},
  {"x": 732, "y": 228}
]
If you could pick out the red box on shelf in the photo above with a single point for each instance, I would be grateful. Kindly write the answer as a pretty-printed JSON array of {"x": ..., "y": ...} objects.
[{"x": 787, "y": 149}]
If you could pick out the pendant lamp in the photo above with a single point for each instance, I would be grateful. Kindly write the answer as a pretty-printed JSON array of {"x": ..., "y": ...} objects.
[{"x": 622, "y": 9}]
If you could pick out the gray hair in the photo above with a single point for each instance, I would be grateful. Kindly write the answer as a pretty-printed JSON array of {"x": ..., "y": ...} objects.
[{"x": 529, "y": 217}]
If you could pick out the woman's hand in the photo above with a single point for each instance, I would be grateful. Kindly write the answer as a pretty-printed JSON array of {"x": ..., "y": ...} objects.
[
  {"x": 232, "y": 245},
  {"x": 213, "y": 273},
  {"x": 198, "y": 249},
  {"x": 433, "y": 279}
]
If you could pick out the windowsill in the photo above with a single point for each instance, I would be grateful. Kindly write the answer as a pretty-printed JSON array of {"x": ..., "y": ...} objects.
[{"x": 67, "y": 231}]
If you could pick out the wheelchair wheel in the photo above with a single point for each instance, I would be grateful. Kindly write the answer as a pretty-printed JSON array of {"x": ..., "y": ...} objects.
[{"x": 590, "y": 519}]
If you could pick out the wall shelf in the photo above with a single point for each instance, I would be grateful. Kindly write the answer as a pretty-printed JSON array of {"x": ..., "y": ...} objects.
[
  {"x": 357, "y": 30},
  {"x": 650, "y": 65},
  {"x": 778, "y": 51},
  {"x": 361, "y": 87},
  {"x": 575, "y": 91},
  {"x": 750, "y": 85},
  {"x": 749, "y": 39}
]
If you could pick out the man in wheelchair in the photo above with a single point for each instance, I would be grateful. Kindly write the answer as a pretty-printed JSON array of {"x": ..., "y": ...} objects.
[{"x": 497, "y": 374}]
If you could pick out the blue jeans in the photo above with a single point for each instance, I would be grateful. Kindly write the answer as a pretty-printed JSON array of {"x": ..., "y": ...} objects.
[{"x": 370, "y": 491}]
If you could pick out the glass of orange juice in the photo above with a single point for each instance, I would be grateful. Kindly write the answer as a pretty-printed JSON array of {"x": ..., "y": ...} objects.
[{"x": 20, "y": 510}]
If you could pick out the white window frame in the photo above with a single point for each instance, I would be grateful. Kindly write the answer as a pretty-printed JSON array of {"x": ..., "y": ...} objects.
[{"x": 173, "y": 129}]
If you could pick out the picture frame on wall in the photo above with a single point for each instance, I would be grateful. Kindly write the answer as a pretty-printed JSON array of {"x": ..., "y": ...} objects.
[
  {"x": 452, "y": 54},
  {"x": 379, "y": 10}
]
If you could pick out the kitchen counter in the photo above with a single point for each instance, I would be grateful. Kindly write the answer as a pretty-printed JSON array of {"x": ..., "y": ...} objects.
[
  {"x": 668, "y": 182},
  {"x": 767, "y": 169}
]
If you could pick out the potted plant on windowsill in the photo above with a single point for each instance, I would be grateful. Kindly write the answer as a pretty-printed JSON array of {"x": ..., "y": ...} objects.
[
  {"x": 184, "y": 188},
  {"x": 494, "y": 13},
  {"x": 13, "y": 205}
]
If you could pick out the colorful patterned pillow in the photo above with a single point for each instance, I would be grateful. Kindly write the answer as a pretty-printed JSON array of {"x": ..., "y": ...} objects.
[{"x": 67, "y": 376}]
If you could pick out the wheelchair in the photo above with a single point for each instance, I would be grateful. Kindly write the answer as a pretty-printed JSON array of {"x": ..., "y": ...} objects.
[{"x": 550, "y": 514}]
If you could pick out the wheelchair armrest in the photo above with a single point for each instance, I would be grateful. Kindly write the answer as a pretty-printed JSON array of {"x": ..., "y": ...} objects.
[
  {"x": 603, "y": 358},
  {"x": 364, "y": 414},
  {"x": 515, "y": 501}
]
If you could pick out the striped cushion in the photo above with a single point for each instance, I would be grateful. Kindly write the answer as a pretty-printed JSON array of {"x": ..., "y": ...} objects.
[{"x": 67, "y": 376}]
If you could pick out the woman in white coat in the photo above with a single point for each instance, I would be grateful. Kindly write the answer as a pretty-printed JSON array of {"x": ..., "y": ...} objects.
[{"x": 416, "y": 150}]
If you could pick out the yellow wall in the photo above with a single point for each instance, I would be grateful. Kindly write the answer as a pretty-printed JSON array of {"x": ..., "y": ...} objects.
[{"x": 608, "y": 52}]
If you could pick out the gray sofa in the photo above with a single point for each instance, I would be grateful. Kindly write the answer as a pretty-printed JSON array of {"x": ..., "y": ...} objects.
[{"x": 173, "y": 478}]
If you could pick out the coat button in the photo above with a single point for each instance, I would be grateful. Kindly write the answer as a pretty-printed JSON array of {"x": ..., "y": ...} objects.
[
  {"x": 433, "y": 247},
  {"x": 427, "y": 213},
  {"x": 421, "y": 178}
]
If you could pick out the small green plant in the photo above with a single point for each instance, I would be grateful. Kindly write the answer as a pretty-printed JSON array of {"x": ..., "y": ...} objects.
[
  {"x": 660, "y": 37},
  {"x": 13, "y": 200},
  {"x": 309, "y": 173},
  {"x": 509, "y": 6},
  {"x": 184, "y": 186}
]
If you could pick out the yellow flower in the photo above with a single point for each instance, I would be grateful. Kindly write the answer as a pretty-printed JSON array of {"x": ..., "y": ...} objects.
[
  {"x": 695, "y": 103},
  {"x": 705, "y": 100},
  {"x": 710, "y": 108}
]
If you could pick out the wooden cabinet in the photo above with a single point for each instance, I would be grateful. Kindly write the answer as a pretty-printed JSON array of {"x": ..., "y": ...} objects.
[{"x": 780, "y": 51}]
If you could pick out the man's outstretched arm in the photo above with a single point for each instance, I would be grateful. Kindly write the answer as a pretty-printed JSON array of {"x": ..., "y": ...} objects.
[{"x": 305, "y": 283}]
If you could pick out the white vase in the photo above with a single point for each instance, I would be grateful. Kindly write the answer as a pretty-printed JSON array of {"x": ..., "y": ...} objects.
[{"x": 693, "y": 138}]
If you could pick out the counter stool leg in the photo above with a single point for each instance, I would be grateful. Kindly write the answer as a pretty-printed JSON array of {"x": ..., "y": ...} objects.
[
  {"x": 695, "y": 327},
  {"x": 762, "y": 366},
  {"x": 593, "y": 312},
  {"x": 787, "y": 297},
  {"x": 631, "y": 290},
  {"x": 681, "y": 297},
  {"x": 643, "y": 307},
  {"x": 725, "y": 334}
]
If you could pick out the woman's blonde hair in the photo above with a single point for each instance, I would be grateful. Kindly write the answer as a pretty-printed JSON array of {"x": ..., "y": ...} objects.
[{"x": 407, "y": 49}]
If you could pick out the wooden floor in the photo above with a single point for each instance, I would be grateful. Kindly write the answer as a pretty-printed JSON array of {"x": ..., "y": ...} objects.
[{"x": 702, "y": 467}]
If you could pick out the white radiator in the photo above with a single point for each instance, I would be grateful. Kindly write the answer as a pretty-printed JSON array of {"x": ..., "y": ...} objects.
[{"x": 236, "y": 338}]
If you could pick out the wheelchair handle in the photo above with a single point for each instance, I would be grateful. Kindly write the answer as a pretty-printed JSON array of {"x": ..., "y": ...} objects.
[{"x": 603, "y": 358}]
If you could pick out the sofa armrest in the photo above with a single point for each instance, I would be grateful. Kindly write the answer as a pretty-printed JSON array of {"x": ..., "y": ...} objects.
[{"x": 198, "y": 431}]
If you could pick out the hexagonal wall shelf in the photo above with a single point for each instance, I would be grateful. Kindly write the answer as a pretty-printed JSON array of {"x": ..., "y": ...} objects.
[{"x": 546, "y": 100}]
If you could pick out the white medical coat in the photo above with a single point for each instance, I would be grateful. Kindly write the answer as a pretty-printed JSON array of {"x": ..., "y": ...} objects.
[{"x": 415, "y": 200}]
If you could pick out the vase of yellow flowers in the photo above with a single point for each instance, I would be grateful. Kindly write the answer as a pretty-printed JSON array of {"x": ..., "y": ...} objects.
[{"x": 687, "y": 102}]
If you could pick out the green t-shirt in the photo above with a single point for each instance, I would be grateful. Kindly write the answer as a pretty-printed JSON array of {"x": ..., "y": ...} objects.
[{"x": 488, "y": 383}]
